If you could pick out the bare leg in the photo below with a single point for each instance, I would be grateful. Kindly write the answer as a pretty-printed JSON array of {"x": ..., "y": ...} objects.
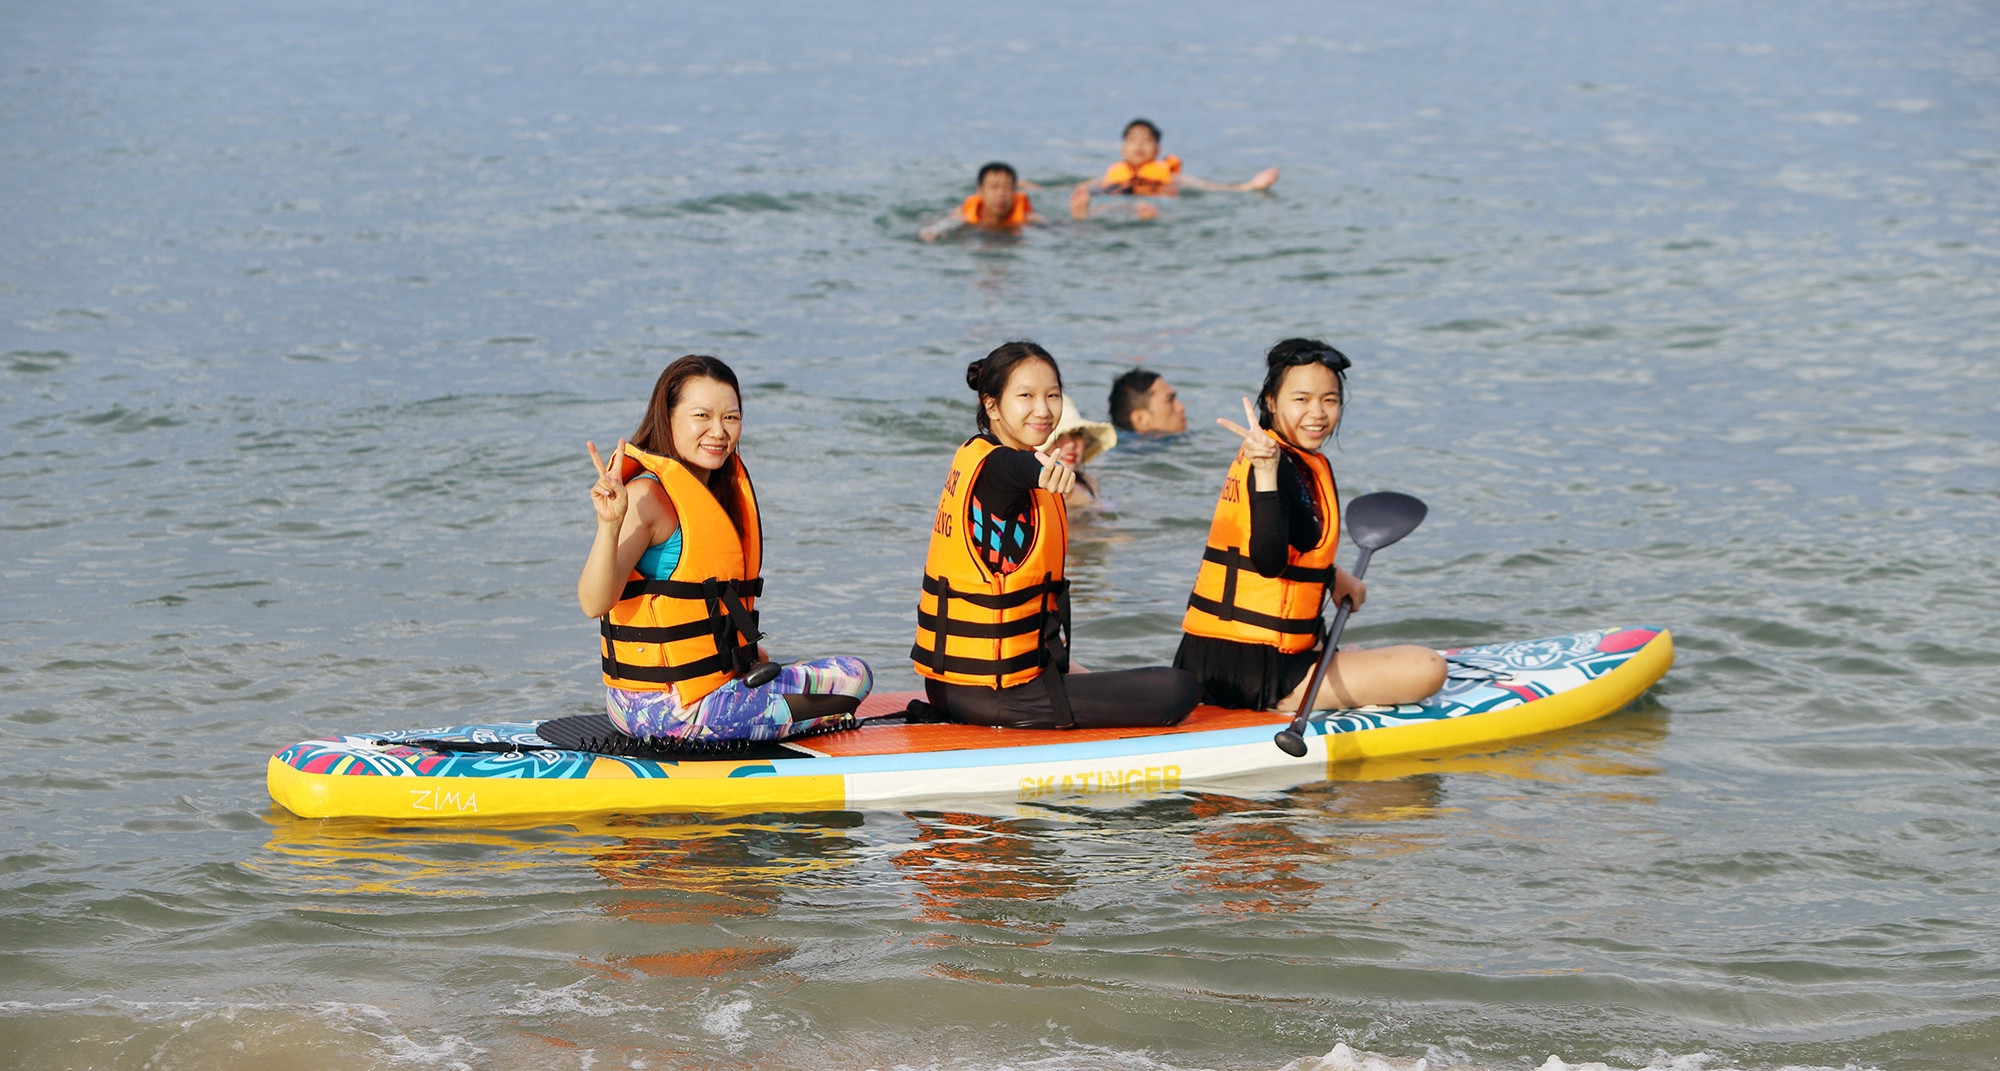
[{"x": 1380, "y": 677}]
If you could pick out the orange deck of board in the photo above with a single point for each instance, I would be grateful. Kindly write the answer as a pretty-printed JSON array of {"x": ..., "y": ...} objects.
[{"x": 904, "y": 739}]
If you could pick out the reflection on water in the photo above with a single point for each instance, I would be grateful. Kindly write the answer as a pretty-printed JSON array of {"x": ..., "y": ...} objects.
[
  {"x": 1256, "y": 857},
  {"x": 687, "y": 875},
  {"x": 977, "y": 868}
]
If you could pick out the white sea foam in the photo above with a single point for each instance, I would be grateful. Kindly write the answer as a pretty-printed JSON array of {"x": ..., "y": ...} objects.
[
  {"x": 576, "y": 998},
  {"x": 1343, "y": 1058},
  {"x": 181, "y": 1029},
  {"x": 725, "y": 1020}
]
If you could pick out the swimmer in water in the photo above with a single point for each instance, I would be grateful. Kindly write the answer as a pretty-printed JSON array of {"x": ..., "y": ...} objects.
[
  {"x": 998, "y": 206},
  {"x": 1145, "y": 404},
  {"x": 1143, "y": 172},
  {"x": 1074, "y": 442}
]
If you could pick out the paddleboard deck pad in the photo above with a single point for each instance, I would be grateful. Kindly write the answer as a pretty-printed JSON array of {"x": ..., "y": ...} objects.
[{"x": 1497, "y": 691}]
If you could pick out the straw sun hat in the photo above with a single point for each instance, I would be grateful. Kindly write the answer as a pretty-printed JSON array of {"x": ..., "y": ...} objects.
[{"x": 1097, "y": 436}]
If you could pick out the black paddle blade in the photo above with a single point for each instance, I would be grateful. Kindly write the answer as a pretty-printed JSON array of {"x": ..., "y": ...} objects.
[{"x": 1376, "y": 520}]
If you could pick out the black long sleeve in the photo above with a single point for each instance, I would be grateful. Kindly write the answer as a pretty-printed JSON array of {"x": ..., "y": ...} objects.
[
  {"x": 1005, "y": 480},
  {"x": 1281, "y": 519},
  {"x": 1002, "y": 500}
]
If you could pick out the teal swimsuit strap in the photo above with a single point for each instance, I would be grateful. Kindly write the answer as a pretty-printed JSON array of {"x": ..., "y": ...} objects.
[{"x": 660, "y": 559}]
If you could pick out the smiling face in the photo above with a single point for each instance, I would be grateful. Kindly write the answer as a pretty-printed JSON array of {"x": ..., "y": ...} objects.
[
  {"x": 1140, "y": 147},
  {"x": 996, "y": 193},
  {"x": 1028, "y": 407},
  {"x": 1306, "y": 406},
  {"x": 1069, "y": 448},
  {"x": 707, "y": 421}
]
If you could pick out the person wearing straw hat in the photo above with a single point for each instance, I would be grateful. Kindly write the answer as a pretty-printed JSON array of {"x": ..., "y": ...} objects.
[{"x": 1074, "y": 442}]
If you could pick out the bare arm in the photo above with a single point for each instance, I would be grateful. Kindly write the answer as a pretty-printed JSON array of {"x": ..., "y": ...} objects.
[
  {"x": 629, "y": 519},
  {"x": 1263, "y": 180},
  {"x": 932, "y": 232},
  {"x": 1079, "y": 204}
]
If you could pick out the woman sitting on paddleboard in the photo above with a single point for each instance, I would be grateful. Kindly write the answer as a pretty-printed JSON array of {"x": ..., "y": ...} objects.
[
  {"x": 673, "y": 575},
  {"x": 993, "y": 620},
  {"x": 1253, "y": 627}
]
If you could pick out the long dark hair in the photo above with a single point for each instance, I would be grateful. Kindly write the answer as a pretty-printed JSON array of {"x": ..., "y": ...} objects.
[
  {"x": 656, "y": 430},
  {"x": 987, "y": 376},
  {"x": 1294, "y": 353}
]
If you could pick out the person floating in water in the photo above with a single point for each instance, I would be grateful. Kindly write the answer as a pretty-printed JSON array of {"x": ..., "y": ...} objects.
[
  {"x": 1145, "y": 404},
  {"x": 1143, "y": 172},
  {"x": 673, "y": 576},
  {"x": 998, "y": 206},
  {"x": 1074, "y": 442}
]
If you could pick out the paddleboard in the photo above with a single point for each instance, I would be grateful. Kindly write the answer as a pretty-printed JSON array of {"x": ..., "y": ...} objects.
[{"x": 1496, "y": 692}]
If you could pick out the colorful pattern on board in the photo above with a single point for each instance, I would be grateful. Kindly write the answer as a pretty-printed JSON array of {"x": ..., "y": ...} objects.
[
  {"x": 385, "y": 755},
  {"x": 1487, "y": 678},
  {"x": 1501, "y": 675}
]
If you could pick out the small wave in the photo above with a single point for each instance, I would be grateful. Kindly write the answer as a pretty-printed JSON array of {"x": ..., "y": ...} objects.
[
  {"x": 725, "y": 203},
  {"x": 35, "y": 361}
]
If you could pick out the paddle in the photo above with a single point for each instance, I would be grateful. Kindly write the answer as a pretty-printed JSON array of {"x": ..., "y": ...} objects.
[{"x": 1373, "y": 521}]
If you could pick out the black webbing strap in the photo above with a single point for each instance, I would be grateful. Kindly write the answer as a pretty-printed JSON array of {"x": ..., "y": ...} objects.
[
  {"x": 732, "y": 621},
  {"x": 936, "y": 585},
  {"x": 977, "y": 667},
  {"x": 657, "y": 634},
  {"x": 733, "y": 626},
  {"x": 980, "y": 630},
  {"x": 1054, "y": 648},
  {"x": 1299, "y": 626},
  {"x": 690, "y": 589},
  {"x": 1233, "y": 559},
  {"x": 942, "y": 626},
  {"x": 720, "y": 662}
]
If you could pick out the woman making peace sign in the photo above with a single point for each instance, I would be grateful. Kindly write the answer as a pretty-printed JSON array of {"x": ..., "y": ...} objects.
[
  {"x": 673, "y": 574},
  {"x": 1252, "y": 630}
]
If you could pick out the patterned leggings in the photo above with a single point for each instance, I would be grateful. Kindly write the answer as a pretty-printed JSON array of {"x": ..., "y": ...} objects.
[{"x": 736, "y": 711}]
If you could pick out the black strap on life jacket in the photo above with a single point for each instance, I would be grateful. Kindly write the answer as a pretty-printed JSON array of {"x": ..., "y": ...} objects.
[
  {"x": 1054, "y": 649},
  {"x": 733, "y": 626},
  {"x": 942, "y": 625},
  {"x": 1225, "y": 608}
]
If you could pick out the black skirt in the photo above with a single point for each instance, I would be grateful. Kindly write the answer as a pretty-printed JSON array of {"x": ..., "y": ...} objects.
[{"x": 1243, "y": 676}]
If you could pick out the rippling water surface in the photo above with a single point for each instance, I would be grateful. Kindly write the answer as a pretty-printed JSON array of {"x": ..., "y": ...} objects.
[{"x": 1676, "y": 313}]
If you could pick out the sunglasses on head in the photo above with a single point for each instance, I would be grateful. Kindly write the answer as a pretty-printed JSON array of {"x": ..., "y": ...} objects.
[{"x": 1334, "y": 360}]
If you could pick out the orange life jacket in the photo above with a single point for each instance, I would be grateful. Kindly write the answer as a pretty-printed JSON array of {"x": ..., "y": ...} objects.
[
  {"x": 1231, "y": 600},
  {"x": 1153, "y": 176},
  {"x": 697, "y": 627},
  {"x": 979, "y": 626},
  {"x": 975, "y": 205}
]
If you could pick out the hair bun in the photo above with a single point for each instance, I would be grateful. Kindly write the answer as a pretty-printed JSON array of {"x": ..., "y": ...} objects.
[{"x": 972, "y": 372}]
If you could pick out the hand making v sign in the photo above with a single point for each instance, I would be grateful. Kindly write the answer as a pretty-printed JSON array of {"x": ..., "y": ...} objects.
[
  {"x": 1259, "y": 447},
  {"x": 608, "y": 495}
]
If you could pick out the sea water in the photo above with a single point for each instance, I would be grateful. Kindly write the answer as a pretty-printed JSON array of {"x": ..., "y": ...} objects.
[{"x": 1679, "y": 313}]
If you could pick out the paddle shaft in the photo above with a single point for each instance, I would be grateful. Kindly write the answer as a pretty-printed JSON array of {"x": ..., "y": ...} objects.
[{"x": 1318, "y": 677}]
